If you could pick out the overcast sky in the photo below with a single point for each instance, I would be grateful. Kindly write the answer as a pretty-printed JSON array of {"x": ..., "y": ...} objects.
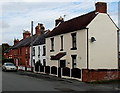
[{"x": 16, "y": 15}]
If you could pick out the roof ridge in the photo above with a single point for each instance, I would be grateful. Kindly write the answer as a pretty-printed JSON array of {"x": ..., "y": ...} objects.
[
  {"x": 81, "y": 15},
  {"x": 73, "y": 24}
]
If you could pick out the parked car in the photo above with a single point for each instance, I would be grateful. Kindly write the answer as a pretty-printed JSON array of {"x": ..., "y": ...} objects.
[{"x": 9, "y": 67}]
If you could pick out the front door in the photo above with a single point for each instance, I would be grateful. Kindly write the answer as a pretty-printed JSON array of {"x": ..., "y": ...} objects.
[{"x": 62, "y": 63}]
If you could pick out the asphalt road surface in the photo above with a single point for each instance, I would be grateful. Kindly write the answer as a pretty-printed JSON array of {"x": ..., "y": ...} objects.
[{"x": 14, "y": 82}]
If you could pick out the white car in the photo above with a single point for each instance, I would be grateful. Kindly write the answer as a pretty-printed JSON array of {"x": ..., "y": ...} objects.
[{"x": 9, "y": 67}]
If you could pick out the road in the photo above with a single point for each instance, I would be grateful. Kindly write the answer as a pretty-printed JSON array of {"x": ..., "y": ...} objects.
[{"x": 15, "y": 82}]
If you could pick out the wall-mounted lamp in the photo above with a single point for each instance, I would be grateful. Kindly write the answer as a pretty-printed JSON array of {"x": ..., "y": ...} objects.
[
  {"x": 93, "y": 39},
  {"x": 68, "y": 62}
]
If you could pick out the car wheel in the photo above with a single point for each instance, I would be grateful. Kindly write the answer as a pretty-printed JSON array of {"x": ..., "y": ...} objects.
[
  {"x": 2, "y": 69},
  {"x": 5, "y": 69}
]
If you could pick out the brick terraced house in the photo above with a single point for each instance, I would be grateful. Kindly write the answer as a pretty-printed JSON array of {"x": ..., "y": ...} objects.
[{"x": 20, "y": 51}]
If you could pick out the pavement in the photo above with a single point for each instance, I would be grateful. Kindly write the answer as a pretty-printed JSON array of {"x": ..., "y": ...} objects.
[
  {"x": 45, "y": 82},
  {"x": 109, "y": 85},
  {"x": 46, "y": 76}
]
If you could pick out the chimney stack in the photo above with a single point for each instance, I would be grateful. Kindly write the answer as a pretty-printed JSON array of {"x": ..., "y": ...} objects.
[
  {"x": 16, "y": 41},
  {"x": 58, "y": 21},
  {"x": 39, "y": 29},
  {"x": 101, "y": 7},
  {"x": 26, "y": 34}
]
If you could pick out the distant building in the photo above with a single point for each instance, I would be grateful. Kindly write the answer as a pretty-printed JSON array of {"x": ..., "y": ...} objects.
[
  {"x": 39, "y": 50},
  {"x": 5, "y": 46}
]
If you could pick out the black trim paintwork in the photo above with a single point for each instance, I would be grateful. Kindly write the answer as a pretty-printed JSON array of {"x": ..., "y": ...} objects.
[{"x": 87, "y": 51}]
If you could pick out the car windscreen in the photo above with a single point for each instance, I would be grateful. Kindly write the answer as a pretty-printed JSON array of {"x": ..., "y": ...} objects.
[{"x": 9, "y": 64}]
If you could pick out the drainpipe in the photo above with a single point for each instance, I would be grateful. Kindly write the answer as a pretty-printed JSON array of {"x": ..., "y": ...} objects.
[
  {"x": 31, "y": 46},
  {"x": 118, "y": 53},
  {"x": 87, "y": 49},
  {"x": 118, "y": 46}
]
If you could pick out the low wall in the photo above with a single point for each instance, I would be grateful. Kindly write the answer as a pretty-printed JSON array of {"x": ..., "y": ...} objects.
[{"x": 90, "y": 75}]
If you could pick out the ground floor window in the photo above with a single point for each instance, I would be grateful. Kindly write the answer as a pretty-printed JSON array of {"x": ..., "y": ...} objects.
[
  {"x": 34, "y": 61},
  {"x": 74, "y": 64},
  {"x": 44, "y": 62}
]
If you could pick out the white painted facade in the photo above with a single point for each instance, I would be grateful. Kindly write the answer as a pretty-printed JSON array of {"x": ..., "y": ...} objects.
[
  {"x": 101, "y": 54},
  {"x": 39, "y": 54},
  {"x": 67, "y": 45}
]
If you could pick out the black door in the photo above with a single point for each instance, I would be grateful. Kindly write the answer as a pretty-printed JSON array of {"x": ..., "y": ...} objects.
[
  {"x": 62, "y": 63},
  {"x": 59, "y": 72}
]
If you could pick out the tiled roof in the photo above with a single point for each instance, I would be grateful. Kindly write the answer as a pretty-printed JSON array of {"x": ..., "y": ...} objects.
[
  {"x": 6, "y": 51},
  {"x": 37, "y": 40},
  {"x": 73, "y": 25}
]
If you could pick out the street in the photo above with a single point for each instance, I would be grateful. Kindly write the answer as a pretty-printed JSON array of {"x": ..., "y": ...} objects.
[{"x": 12, "y": 81}]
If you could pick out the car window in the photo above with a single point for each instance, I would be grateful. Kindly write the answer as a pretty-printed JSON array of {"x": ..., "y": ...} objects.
[{"x": 9, "y": 64}]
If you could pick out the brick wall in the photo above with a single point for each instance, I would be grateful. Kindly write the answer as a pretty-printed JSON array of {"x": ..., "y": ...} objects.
[{"x": 100, "y": 75}]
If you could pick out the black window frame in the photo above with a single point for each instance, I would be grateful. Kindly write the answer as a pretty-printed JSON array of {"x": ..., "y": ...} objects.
[
  {"x": 44, "y": 51},
  {"x": 61, "y": 38},
  {"x": 33, "y": 51},
  {"x": 74, "y": 41},
  {"x": 74, "y": 61},
  {"x": 38, "y": 51},
  {"x": 52, "y": 44},
  {"x": 44, "y": 62}
]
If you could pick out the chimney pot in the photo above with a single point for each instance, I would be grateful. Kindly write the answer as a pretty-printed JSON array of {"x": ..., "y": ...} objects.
[
  {"x": 101, "y": 7},
  {"x": 16, "y": 41},
  {"x": 26, "y": 34},
  {"x": 39, "y": 29},
  {"x": 58, "y": 21}
]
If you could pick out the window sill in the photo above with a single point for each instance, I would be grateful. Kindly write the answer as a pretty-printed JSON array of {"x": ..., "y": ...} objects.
[
  {"x": 51, "y": 50},
  {"x": 43, "y": 55},
  {"x": 61, "y": 49},
  {"x": 73, "y": 49}
]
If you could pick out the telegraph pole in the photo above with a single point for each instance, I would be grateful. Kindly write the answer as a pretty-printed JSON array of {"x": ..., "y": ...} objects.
[{"x": 31, "y": 46}]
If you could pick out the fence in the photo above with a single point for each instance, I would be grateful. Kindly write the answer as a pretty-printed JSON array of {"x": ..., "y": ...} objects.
[
  {"x": 61, "y": 72},
  {"x": 86, "y": 75},
  {"x": 75, "y": 72}
]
